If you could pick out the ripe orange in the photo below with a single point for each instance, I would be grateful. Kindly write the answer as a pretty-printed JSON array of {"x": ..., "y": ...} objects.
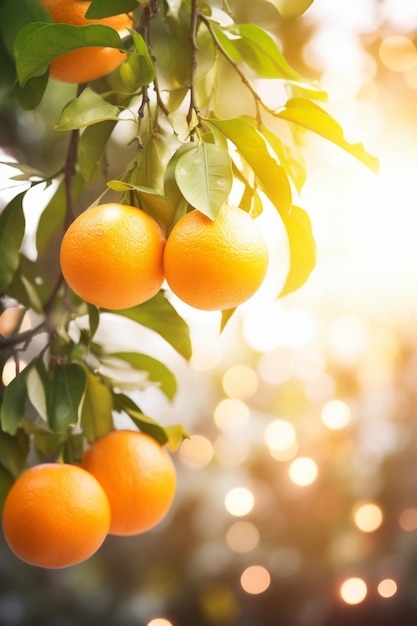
[
  {"x": 84, "y": 64},
  {"x": 138, "y": 476},
  {"x": 55, "y": 515},
  {"x": 112, "y": 256},
  {"x": 215, "y": 264}
]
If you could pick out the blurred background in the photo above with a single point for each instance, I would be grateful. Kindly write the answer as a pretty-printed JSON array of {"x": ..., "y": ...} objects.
[{"x": 297, "y": 493}]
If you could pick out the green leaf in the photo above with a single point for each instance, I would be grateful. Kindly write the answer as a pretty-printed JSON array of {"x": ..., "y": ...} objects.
[
  {"x": 157, "y": 371},
  {"x": 37, "y": 44},
  {"x": 309, "y": 115},
  {"x": 65, "y": 395},
  {"x": 14, "y": 15},
  {"x": 107, "y": 8},
  {"x": 302, "y": 249},
  {"x": 291, "y": 8},
  {"x": 252, "y": 147},
  {"x": 6, "y": 481},
  {"x": 88, "y": 109},
  {"x": 259, "y": 50},
  {"x": 12, "y": 230},
  {"x": 160, "y": 316},
  {"x": 52, "y": 220},
  {"x": 150, "y": 200},
  {"x": 24, "y": 286},
  {"x": 291, "y": 158},
  {"x": 97, "y": 409},
  {"x": 171, "y": 188},
  {"x": 27, "y": 171},
  {"x": 12, "y": 410},
  {"x": 226, "y": 316},
  {"x": 47, "y": 443},
  {"x": 138, "y": 70},
  {"x": 143, "y": 422},
  {"x": 204, "y": 177},
  {"x": 176, "y": 435},
  {"x": 31, "y": 93},
  {"x": 93, "y": 318},
  {"x": 37, "y": 385},
  {"x": 91, "y": 147},
  {"x": 147, "y": 424},
  {"x": 13, "y": 452}
]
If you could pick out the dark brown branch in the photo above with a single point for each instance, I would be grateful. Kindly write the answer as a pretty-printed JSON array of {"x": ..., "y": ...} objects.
[{"x": 25, "y": 337}]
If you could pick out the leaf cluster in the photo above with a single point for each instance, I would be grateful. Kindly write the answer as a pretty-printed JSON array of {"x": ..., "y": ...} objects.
[{"x": 195, "y": 142}]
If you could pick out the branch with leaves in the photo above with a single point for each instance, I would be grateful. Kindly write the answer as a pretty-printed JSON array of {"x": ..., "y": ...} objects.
[{"x": 188, "y": 156}]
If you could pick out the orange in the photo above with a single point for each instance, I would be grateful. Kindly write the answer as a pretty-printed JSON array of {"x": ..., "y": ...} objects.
[
  {"x": 138, "y": 476},
  {"x": 215, "y": 264},
  {"x": 84, "y": 64},
  {"x": 55, "y": 515},
  {"x": 112, "y": 256}
]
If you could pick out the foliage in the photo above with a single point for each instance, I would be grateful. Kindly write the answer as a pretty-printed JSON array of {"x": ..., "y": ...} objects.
[{"x": 194, "y": 139}]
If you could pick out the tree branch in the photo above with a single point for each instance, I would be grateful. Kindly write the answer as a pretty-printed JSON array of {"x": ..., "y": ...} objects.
[
  {"x": 193, "y": 108},
  {"x": 259, "y": 103}
]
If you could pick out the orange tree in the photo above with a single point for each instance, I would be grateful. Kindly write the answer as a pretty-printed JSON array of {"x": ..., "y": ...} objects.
[{"x": 188, "y": 81}]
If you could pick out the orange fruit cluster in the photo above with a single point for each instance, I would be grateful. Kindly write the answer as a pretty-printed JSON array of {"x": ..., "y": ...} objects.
[
  {"x": 57, "y": 515},
  {"x": 116, "y": 256},
  {"x": 84, "y": 64}
]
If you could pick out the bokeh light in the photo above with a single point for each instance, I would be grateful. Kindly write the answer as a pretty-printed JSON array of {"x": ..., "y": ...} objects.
[
  {"x": 196, "y": 452},
  {"x": 231, "y": 414},
  {"x": 398, "y": 53},
  {"x": 353, "y": 590},
  {"x": 10, "y": 369},
  {"x": 347, "y": 339},
  {"x": 159, "y": 621},
  {"x": 368, "y": 516},
  {"x": 242, "y": 537},
  {"x": 336, "y": 414},
  {"x": 239, "y": 501},
  {"x": 281, "y": 439},
  {"x": 240, "y": 381},
  {"x": 255, "y": 579},
  {"x": 408, "y": 519},
  {"x": 275, "y": 326},
  {"x": 230, "y": 450},
  {"x": 387, "y": 588},
  {"x": 303, "y": 471}
]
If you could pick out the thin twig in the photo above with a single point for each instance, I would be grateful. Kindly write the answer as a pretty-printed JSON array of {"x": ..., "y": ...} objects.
[
  {"x": 259, "y": 103},
  {"x": 193, "y": 109},
  {"x": 25, "y": 337}
]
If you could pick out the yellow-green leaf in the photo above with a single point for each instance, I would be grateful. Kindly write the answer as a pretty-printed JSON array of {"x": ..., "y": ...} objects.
[
  {"x": 309, "y": 115},
  {"x": 302, "y": 249}
]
